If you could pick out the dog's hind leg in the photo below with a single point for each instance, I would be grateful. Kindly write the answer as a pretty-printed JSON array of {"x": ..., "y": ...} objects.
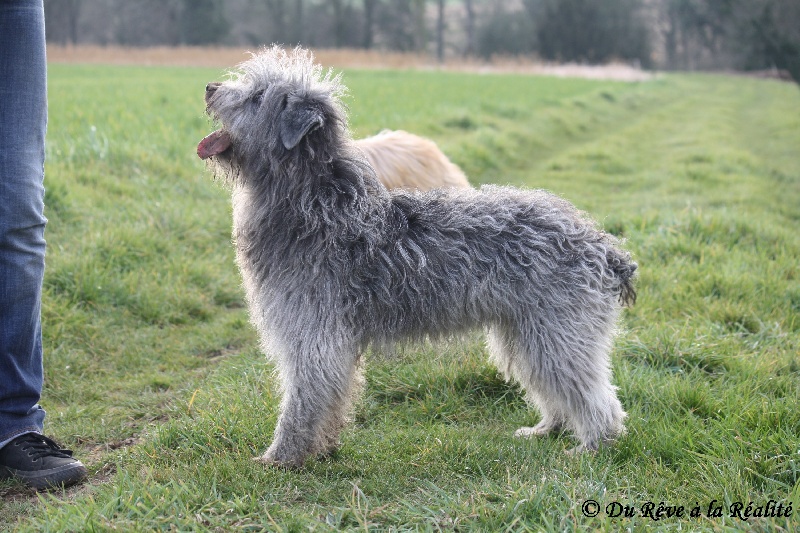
[
  {"x": 565, "y": 371},
  {"x": 504, "y": 347},
  {"x": 317, "y": 384},
  {"x": 553, "y": 419}
]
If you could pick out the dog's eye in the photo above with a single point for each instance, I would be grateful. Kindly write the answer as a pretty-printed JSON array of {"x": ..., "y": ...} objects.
[{"x": 257, "y": 98}]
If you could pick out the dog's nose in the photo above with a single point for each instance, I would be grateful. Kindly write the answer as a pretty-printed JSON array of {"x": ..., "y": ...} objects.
[{"x": 211, "y": 88}]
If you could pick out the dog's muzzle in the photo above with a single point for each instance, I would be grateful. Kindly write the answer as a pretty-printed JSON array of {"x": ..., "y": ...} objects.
[
  {"x": 216, "y": 142},
  {"x": 211, "y": 88}
]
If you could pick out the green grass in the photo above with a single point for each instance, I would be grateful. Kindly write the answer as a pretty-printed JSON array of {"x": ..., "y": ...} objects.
[{"x": 153, "y": 374}]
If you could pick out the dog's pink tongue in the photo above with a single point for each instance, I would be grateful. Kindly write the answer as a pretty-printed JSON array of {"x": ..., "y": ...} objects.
[{"x": 213, "y": 144}]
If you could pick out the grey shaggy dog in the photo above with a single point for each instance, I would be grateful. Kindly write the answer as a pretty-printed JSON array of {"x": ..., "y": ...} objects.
[{"x": 333, "y": 261}]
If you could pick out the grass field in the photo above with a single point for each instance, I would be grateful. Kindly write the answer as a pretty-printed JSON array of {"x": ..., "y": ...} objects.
[{"x": 154, "y": 377}]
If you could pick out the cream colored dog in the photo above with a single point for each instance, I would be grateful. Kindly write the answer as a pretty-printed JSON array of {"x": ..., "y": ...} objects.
[{"x": 406, "y": 161}]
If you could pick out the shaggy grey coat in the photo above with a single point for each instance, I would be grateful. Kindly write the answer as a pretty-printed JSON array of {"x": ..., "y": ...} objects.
[{"x": 332, "y": 261}]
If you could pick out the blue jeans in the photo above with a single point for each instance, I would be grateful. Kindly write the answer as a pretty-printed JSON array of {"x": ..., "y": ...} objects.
[{"x": 23, "y": 122}]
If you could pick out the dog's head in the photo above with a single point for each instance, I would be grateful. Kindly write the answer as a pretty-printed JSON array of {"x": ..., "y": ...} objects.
[{"x": 278, "y": 104}]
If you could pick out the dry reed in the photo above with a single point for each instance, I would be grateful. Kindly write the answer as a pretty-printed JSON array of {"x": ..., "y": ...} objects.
[{"x": 225, "y": 57}]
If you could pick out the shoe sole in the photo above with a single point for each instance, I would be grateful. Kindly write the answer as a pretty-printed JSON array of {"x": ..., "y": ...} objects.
[{"x": 63, "y": 476}]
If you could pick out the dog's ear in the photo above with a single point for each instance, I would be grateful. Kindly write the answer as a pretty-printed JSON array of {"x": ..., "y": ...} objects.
[{"x": 298, "y": 120}]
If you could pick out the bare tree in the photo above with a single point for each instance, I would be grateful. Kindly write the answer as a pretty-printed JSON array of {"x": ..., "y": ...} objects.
[
  {"x": 299, "y": 20},
  {"x": 203, "y": 22},
  {"x": 395, "y": 24},
  {"x": 277, "y": 10},
  {"x": 440, "y": 31},
  {"x": 73, "y": 8},
  {"x": 594, "y": 32},
  {"x": 420, "y": 33},
  {"x": 772, "y": 31},
  {"x": 369, "y": 21},
  {"x": 62, "y": 17},
  {"x": 469, "y": 48},
  {"x": 340, "y": 8}
]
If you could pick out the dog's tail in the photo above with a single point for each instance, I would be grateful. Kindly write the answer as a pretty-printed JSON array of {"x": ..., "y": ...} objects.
[{"x": 624, "y": 270}]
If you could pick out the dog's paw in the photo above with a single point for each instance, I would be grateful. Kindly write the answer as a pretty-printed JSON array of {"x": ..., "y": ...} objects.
[
  {"x": 581, "y": 449},
  {"x": 526, "y": 433},
  {"x": 271, "y": 458},
  {"x": 539, "y": 430}
]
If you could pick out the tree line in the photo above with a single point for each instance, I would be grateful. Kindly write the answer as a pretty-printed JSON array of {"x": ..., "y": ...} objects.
[{"x": 662, "y": 34}]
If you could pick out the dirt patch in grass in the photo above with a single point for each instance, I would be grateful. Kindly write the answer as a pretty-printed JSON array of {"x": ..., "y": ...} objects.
[{"x": 221, "y": 57}]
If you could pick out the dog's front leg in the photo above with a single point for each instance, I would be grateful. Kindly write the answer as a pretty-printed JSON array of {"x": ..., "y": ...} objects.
[
  {"x": 317, "y": 388},
  {"x": 295, "y": 433}
]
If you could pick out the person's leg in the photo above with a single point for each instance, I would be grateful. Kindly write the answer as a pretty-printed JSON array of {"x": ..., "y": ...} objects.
[
  {"x": 24, "y": 453},
  {"x": 23, "y": 120}
]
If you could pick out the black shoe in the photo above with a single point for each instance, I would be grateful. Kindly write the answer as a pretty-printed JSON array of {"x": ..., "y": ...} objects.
[{"x": 38, "y": 462}]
